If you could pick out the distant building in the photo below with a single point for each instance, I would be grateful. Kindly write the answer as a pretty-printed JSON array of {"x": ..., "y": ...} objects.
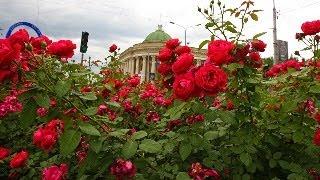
[
  {"x": 142, "y": 58},
  {"x": 282, "y": 52}
]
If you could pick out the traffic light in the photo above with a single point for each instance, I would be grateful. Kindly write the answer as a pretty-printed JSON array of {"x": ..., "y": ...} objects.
[{"x": 84, "y": 42}]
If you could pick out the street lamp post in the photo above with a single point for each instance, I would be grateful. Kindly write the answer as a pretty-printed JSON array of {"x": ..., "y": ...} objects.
[{"x": 185, "y": 30}]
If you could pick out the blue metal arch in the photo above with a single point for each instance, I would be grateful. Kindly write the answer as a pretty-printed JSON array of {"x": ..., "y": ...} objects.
[{"x": 35, "y": 28}]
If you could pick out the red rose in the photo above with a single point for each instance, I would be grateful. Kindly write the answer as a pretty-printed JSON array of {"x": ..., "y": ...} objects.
[
  {"x": 316, "y": 137},
  {"x": 211, "y": 78},
  {"x": 86, "y": 89},
  {"x": 197, "y": 172},
  {"x": 164, "y": 69},
  {"x": 19, "y": 160},
  {"x": 311, "y": 28},
  {"x": 182, "y": 49},
  {"x": 4, "y": 152},
  {"x": 41, "y": 111},
  {"x": 45, "y": 138},
  {"x": 173, "y": 123},
  {"x": 283, "y": 67},
  {"x": 165, "y": 54},
  {"x": 53, "y": 103},
  {"x": 55, "y": 172},
  {"x": 183, "y": 86},
  {"x": 183, "y": 63},
  {"x": 310, "y": 107},
  {"x": 255, "y": 59},
  {"x": 258, "y": 45},
  {"x": 117, "y": 84},
  {"x": 56, "y": 124},
  {"x": 294, "y": 64},
  {"x": 134, "y": 81},
  {"x": 63, "y": 49},
  {"x": 195, "y": 119},
  {"x": 10, "y": 104},
  {"x": 20, "y": 37},
  {"x": 122, "y": 169},
  {"x": 152, "y": 116},
  {"x": 113, "y": 48},
  {"x": 40, "y": 43},
  {"x": 8, "y": 53},
  {"x": 6, "y": 74},
  {"x": 242, "y": 52},
  {"x": 172, "y": 43},
  {"x": 230, "y": 105},
  {"x": 219, "y": 52},
  {"x": 317, "y": 117}
]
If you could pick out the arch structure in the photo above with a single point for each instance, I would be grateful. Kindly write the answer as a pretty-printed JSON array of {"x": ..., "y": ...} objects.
[{"x": 18, "y": 24}]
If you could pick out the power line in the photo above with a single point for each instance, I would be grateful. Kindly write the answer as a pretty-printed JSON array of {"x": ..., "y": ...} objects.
[{"x": 302, "y": 7}]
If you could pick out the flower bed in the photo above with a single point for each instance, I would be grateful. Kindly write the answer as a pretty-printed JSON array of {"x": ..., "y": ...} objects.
[{"x": 231, "y": 118}]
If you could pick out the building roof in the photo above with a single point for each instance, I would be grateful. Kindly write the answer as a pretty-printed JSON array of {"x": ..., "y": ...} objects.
[{"x": 158, "y": 36}]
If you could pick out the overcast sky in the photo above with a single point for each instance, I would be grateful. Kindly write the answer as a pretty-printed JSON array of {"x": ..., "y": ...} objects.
[{"x": 127, "y": 22}]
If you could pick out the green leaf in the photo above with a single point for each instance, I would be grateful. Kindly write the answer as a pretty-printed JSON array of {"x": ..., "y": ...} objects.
[
  {"x": 114, "y": 104},
  {"x": 90, "y": 111},
  {"x": 150, "y": 146},
  {"x": 227, "y": 116},
  {"x": 284, "y": 164},
  {"x": 69, "y": 141},
  {"x": 231, "y": 29},
  {"x": 245, "y": 158},
  {"x": 277, "y": 155},
  {"x": 298, "y": 136},
  {"x": 315, "y": 89},
  {"x": 183, "y": 176},
  {"x": 259, "y": 35},
  {"x": 211, "y": 135},
  {"x": 62, "y": 88},
  {"x": 88, "y": 129},
  {"x": 272, "y": 163},
  {"x": 209, "y": 24},
  {"x": 28, "y": 114},
  {"x": 43, "y": 100},
  {"x": 203, "y": 43},
  {"x": 96, "y": 145},
  {"x": 129, "y": 149},
  {"x": 119, "y": 133},
  {"x": 289, "y": 106},
  {"x": 185, "y": 150},
  {"x": 89, "y": 96},
  {"x": 254, "y": 16},
  {"x": 139, "y": 135}
]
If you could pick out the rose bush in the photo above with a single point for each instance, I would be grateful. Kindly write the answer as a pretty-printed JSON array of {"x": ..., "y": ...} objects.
[{"x": 230, "y": 118}]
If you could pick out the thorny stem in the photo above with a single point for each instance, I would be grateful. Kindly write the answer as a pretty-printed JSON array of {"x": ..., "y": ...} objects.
[{"x": 242, "y": 23}]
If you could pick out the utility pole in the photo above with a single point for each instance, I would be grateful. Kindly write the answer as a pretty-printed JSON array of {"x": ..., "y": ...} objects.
[{"x": 275, "y": 40}]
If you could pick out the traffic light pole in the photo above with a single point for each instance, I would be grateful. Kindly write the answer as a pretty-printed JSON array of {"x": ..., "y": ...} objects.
[{"x": 82, "y": 59}]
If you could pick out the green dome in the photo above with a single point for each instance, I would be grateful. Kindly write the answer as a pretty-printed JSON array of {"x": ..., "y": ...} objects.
[{"x": 158, "y": 36}]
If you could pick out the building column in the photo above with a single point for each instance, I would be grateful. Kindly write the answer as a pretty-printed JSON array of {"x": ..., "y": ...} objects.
[
  {"x": 144, "y": 68},
  {"x": 153, "y": 67},
  {"x": 130, "y": 66},
  {"x": 137, "y": 66},
  {"x": 148, "y": 68},
  {"x": 133, "y": 66},
  {"x": 127, "y": 68}
]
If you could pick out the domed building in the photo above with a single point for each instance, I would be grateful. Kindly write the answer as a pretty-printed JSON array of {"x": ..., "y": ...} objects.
[{"x": 141, "y": 58}]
